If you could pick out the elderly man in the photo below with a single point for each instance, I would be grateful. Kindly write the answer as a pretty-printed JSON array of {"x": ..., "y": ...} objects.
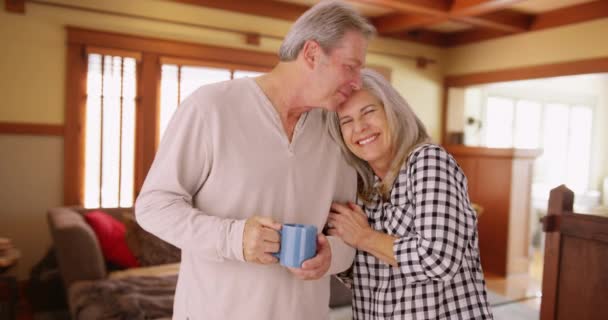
[{"x": 242, "y": 157}]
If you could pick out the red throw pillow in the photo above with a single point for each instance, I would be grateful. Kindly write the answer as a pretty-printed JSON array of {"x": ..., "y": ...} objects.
[{"x": 111, "y": 235}]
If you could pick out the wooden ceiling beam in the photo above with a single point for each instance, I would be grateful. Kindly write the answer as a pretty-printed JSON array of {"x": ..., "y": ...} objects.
[
  {"x": 469, "y": 8},
  {"x": 401, "y": 22},
  {"x": 470, "y": 36},
  {"x": 507, "y": 20},
  {"x": 15, "y": 6},
  {"x": 433, "y": 38},
  {"x": 480, "y": 13},
  {"x": 555, "y": 18},
  {"x": 266, "y": 8},
  {"x": 437, "y": 8},
  {"x": 413, "y": 15},
  {"x": 573, "y": 14}
]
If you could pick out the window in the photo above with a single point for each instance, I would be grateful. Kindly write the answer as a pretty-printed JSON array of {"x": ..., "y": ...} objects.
[
  {"x": 179, "y": 80},
  {"x": 111, "y": 135},
  {"x": 109, "y": 131},
  {"x": 562, "y": 130},
  {"x": 499, "y": 120}
]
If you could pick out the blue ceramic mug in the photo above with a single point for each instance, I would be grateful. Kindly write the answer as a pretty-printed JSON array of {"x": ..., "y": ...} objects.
[{"x": 298, "y": 244}]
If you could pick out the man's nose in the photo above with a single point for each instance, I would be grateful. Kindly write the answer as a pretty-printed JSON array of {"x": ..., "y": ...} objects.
[{"x": 356, "y": 83}]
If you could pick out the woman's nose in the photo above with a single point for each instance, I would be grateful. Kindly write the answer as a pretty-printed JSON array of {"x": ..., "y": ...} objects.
[{"x": 360, "y": 126}]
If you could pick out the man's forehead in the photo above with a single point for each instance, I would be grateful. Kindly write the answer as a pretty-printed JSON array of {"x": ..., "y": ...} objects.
[
  {"x": 348, "y": 55},
  {"x": 352, "y": 42}
]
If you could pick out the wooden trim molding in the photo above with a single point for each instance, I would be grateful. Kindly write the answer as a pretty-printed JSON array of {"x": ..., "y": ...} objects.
[
  {"x": 596, "y": 65},
  {"x": 114, "y": 52},
  {"x": 75, "y": 119},
  {"x": 35, "y": 129},
  {"x": 169, "y": 47},
  {"x": 146, "y": 125},
  {"x": 15, "y": 6},
  {"x": 203, "y": 63}
]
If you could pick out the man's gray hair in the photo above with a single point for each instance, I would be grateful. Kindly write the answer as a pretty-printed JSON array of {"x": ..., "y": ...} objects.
[
  {"x": 326, "y": 23},
  {"x": 405, "y": 129}
]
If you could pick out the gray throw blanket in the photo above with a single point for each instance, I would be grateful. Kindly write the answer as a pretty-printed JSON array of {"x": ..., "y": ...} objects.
[{"x": 135, "y": 298}]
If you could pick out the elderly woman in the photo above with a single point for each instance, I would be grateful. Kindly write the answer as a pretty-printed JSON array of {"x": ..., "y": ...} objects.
[{"x": 414, "y": 229}]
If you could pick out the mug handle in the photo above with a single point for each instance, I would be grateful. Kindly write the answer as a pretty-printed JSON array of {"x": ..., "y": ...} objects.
[{"x": 278, "y": 254}]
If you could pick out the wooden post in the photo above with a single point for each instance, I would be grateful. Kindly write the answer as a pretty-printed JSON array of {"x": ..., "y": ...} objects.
[{"x": 561, "y": 200}]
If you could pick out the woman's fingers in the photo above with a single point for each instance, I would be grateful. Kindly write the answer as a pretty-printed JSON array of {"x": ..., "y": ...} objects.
[
  {"x": 339, "y": 208},
  {"x": 336, "y": 220},
  {"x": 356, "y": 208}
]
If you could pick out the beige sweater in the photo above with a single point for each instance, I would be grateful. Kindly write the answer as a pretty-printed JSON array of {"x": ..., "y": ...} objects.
[{"x": 223, "y": 158}]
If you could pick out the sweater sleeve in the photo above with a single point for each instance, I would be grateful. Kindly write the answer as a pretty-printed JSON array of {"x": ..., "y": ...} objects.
[
  {"x": 164, "y": 206},
  {"x": 443, "y": 221},
  {"x": 342, "y": 255}
]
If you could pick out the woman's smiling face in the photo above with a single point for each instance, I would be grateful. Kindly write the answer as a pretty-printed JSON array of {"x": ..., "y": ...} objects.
[{"x": 365, "y": 129}]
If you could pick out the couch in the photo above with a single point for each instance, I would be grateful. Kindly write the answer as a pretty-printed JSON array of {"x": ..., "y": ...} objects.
[{"x": 90, "y": 282}]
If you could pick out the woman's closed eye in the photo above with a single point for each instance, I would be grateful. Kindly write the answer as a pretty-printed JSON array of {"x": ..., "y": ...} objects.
[
  {"x": 368, "y": 110},
  {"x": 345, "y": 121}
]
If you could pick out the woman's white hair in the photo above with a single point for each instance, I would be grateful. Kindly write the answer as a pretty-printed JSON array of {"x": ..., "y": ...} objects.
[
  {"x": 405, "y": 129},
  {"x": 326, "y": 23}
]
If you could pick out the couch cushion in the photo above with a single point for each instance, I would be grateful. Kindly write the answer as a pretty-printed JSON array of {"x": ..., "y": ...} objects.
[{"x": 111, "y": 235}]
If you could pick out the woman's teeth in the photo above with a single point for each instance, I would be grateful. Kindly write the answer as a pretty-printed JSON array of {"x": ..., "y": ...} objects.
[{"x": 368, "y": 140}]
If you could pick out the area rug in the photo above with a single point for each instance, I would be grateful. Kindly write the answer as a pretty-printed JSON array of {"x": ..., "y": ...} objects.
[
  {"x": 496, "y": 299},
  {"x": 515, "y": 311},
  {"x": 505, "y": 308}
]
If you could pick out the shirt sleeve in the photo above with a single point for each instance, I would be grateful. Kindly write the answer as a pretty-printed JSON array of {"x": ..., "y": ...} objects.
[
  {"x": 443, "y": 222},
  {"x": 342, "y": 255},
  {"x": 164, "y": 206}
]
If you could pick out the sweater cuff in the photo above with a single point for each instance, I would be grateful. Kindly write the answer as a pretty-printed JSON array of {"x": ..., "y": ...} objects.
[{"x": 234, "y": 240}]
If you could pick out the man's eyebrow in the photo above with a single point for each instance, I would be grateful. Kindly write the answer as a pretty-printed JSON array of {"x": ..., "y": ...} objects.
[{"x": 356, "y": 61}]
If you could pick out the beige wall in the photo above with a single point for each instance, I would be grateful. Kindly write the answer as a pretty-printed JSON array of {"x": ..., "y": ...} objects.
[
  {"x": 569, "y": 43},
  {"x": 32, "y": 80},
  {"x": 31, "y": 175}
]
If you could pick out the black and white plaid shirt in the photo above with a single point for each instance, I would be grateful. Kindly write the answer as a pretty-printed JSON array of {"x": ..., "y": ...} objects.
[{"x": 439, "y": 274}]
